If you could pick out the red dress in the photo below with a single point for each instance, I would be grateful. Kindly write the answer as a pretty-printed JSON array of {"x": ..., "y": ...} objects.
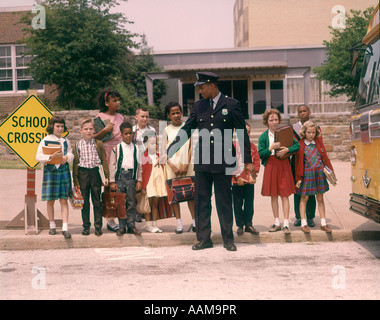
[{"x": 278, "y": 178}]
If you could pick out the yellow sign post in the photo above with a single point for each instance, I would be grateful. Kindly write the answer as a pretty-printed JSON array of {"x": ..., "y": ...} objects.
[{"x": 22, "y": 131}]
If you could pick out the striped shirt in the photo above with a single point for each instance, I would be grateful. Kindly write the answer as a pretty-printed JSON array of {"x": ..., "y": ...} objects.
[{"x": 88, "y": 155}]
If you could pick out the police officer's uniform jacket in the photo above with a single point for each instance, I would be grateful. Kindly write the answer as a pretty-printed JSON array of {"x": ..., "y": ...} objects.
[{"x": 216, "y": 127}]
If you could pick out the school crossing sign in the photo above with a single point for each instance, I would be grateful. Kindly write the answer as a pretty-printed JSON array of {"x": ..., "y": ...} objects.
[{"x": 24, "y": 129}]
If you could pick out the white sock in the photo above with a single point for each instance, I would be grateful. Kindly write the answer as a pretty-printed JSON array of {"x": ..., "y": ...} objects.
[
  {"x": 286, "y": 223},
  {"x": 52, "y": 225},
  {"x": 65, "y": 226},
  {"x": 303, "y": 222},
  {"x": 277, "y": 221},
  {"x": 193, "y": 222},
  {"x": 323, "y": 222},
  {"x": 179, "y": 224}
]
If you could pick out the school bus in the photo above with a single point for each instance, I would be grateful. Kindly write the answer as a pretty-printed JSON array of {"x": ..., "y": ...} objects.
[{"x": 365, "y": 130}]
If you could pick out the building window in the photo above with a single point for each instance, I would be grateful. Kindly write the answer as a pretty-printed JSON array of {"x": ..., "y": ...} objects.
[
  {"x": 321, "y": 102},
  {"x": 267, "y": 94},
  {"x": 14, "y": 73},
  {"x": 295, "y": 92},
  {"x": 6, "y": 76}
]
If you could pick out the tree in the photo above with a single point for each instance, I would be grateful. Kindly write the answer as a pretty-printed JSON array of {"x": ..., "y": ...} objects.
[
  {"x": 81, "y": 50},
  {"x": 131, "y": 84},
  {"x": 336, "y": 70}
]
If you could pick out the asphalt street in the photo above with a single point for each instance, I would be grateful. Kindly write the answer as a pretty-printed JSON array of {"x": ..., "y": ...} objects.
[{"x": 288, "y": 271}]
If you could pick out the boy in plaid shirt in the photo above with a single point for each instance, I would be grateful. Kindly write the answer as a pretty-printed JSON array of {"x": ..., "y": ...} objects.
[{"x": 89, "y": 153}]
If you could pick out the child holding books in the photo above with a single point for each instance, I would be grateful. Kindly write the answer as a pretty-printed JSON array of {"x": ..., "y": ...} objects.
[
  {"x": 180, "y": 164},
  {"x": 153, "y": 180},
  {"x": 310, "y": 162},
  {"x": 56, "y": 183},
  {"x": 278, "y": 179},
  {"x": 244, "y": 193},
  {"x": 89, "y": 154},
  {"x": 125, "y": 176}
]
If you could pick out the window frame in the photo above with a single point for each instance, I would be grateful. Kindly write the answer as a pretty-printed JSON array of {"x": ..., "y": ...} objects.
[{"x": 14, "y": 68}]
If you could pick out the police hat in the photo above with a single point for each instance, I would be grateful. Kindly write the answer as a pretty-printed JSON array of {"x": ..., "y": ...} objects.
[{"x": 206, "y": 77}]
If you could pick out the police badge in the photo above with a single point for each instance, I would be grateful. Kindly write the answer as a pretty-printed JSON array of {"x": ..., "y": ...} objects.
[{"x": 224, "y": 112}]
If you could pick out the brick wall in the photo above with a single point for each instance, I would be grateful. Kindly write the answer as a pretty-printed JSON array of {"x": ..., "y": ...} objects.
[{"x": 10, "y": 33}]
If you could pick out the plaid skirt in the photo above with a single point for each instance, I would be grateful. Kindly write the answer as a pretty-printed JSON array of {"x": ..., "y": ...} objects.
[
  {"x": 56, "y": 183},
  {"x": 314, "y": 181}
]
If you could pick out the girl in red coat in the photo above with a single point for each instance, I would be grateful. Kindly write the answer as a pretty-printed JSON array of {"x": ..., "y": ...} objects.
[{"x": 310, "y": 162}]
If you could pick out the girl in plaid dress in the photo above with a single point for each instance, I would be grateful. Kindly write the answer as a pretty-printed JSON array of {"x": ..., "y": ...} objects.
[
  {"x": 310, "y": 162},
  {"x": 56, "y": 183}
]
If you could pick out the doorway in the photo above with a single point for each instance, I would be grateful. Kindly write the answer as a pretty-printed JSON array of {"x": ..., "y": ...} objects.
[{"x": 267, "y": 94}]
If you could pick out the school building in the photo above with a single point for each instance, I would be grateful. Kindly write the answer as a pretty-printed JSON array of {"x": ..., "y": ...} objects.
[
  {"x": 277, "y": 44},
  {"x": 15, "y": 79}
]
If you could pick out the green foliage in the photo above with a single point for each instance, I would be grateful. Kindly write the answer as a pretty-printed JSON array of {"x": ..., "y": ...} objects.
[
  {"x": 336, "y": 70},
  {"x": 81, "y": 50},
  {"x": 132, "y": 88}
]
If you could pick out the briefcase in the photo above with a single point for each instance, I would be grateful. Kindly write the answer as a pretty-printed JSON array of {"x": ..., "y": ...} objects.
[
  {"x": 180, "y": 189},
  {"x": 284, "y": 135},
  {"x": 114, "y": 204}
]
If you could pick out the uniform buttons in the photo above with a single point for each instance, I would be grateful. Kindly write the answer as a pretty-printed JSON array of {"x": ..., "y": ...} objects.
[{"x": 211, "y": 124}]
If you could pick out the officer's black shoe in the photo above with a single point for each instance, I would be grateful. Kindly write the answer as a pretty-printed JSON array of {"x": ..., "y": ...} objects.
[
  {"x": 203, "y": 245},
  {"x": 230, "y": 246}
]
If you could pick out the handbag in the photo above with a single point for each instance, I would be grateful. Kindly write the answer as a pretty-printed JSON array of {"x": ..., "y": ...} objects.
[
  {"x": 76, "y": 199},
  {"x": 284, "y": 135},
  {"x": 114, "y": 204},
  {"x": 180, "y": 189},
  {"x": 143, "y": 205}
]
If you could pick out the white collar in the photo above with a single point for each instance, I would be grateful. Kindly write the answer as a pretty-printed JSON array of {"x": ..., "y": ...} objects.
[
  {"x": 308, "y": 143},
  {"x": 127, "y": 145},
  {"x": 216, "y": 99}
]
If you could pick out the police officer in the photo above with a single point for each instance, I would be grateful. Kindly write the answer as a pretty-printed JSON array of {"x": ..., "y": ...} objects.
[{"x": 215, "y": 116}]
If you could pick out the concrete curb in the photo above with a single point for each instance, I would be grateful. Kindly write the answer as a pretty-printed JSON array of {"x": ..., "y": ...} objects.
[{"x": 110, "y": 240}]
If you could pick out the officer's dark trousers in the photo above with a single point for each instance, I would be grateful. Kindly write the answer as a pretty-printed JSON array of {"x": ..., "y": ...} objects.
[{"x": 223, "y": 199}]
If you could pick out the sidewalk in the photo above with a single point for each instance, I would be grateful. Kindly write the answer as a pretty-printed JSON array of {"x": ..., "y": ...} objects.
[{"x": 346, "y": 225}]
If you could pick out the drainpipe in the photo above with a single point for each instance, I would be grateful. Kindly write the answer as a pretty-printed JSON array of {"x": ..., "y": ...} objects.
[{"x": 149, "y": 89}]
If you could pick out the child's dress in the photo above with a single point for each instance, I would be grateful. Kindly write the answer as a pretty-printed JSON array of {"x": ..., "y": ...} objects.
[
  {"x": 182, "y": 155},
  {"x": 56, "y": 183},
  {"x": 153, "y": 178},
  {"x": 117, "y": 119},
  {"x": 314, "y": 180}
]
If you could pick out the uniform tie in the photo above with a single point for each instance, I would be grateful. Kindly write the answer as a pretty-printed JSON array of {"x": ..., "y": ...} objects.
[{"x": 211, "y": 105}]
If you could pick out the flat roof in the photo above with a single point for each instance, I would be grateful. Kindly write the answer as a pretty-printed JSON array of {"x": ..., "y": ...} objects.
[
  {"x": 238, "y": 49},
  {"x": 16, "y": 9}
]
